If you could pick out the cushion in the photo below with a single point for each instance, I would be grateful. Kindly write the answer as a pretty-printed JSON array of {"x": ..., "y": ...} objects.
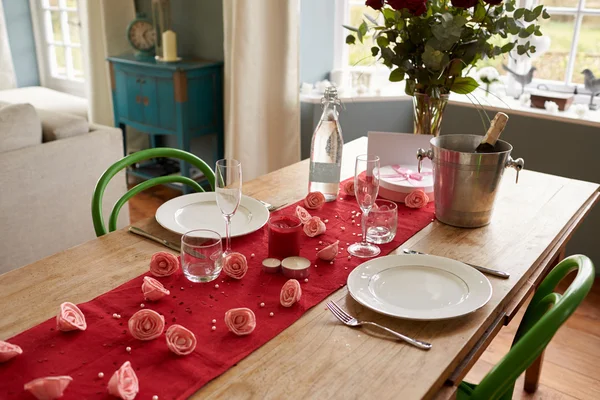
[
  {"x": 46, "y": 99},
  {"x": 20, "y": 127},
  {"x": 57, "y": 125}
]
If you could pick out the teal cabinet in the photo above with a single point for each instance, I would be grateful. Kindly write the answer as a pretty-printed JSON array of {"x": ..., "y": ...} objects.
[{"x": 184, "y": 99}]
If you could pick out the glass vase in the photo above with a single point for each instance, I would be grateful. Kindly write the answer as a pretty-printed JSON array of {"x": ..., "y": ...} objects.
[{"x": 428, "y": 113}]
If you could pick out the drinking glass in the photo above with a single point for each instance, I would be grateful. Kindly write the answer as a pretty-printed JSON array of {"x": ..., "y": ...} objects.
[
  {"x": 382, "y": 222},
  {"x": 366, "y": 187},
  {"x": 201, "y": 255},
  {"x": 228, "y": 186}
]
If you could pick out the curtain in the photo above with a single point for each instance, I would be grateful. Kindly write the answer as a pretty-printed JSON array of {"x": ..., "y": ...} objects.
[
  {"x": 262, "y": 127},
  {"x": 104, "y": 24},
  {"x": 8, "y": 79}
]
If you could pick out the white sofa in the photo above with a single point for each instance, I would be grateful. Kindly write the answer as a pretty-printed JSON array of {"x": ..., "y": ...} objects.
[{"x": 46, "y": 188}]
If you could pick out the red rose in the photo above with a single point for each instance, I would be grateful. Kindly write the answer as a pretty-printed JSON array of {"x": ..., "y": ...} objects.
[
  {"x": 415, "y": 7},
  {"x": 375, "y": 4},
  {"x": 465, "y": 3},
  {"x": 493, "y": 2}
]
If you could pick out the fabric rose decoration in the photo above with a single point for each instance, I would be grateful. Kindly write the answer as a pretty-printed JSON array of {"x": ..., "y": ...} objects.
[
  {"x": 302, "y": 214},
  {"x": 163, "y": 264},
  {"x": 180, "y": 340},
  {"x": 314, "y": 200},
  {"x": 464, "y": 3},
  {"x": 240, "y": 321},
  {"x": 348, "y": 188},
  {"x": 153, "y": 289},
  {"x": 124, "y": 382},
  {"x": 374, "y": 4},
  {"x": 146, "y": 325},
  {"x": 415, "y": 7},
  {"x": 314, "y": 227},
  {"x": 48, "y": 388},
  {"x": 235, "y": 265},
  {"x": 290, "y": 293},
  {"x": 70, "y": 318},
  {"x": 8, "y": 351},
  {"x": 416, "y": 199},
  {"x": 330, "y": 252}
]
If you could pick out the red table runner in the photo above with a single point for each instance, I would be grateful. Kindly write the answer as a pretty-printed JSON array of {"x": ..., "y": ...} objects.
[{"x": 101, "y": 348}]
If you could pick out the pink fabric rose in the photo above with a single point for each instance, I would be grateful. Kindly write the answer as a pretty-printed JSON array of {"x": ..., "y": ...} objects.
[
  {"x": 302, "y": 214},
  {"x": 290, "y": 293},
  {"x": 146, "y": 325},
  {"x": 416, "y": 199},
  {"x": 124, "y": 382},
  {"x": 48, "y": 388},
  {"x": 235, "y": 265},
  {"x": 153, "y": 289},
  {"x": 240, "y": 321},
  {"x": 8, "y": 351},
  {"x": 314, "y": 227},
  {"x": 180, "y": 340},
  {"x": 349, "y": 188},
  {"x": 314, "y": 200},
  {"x": 70, "y": 318},
  {"x": 329, "y": 253},
  {"x": 163, "y": 264}
]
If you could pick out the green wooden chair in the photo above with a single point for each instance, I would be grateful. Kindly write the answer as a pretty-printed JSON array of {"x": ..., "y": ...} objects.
[
  {"x": 147, "y": 154},
  {"x": 544, "y": 315}
]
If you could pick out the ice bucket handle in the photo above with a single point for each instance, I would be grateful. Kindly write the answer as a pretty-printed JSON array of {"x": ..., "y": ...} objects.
[
  {"x": 517, "y": 164},
  {"x": 421, "y": 153}
]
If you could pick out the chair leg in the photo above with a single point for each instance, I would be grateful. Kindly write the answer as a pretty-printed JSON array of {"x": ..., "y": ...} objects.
[{"x": 532, "y": 375}]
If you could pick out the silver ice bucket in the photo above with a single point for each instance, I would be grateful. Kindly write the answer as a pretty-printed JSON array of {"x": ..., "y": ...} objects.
[{"x": 466, "y": 183}]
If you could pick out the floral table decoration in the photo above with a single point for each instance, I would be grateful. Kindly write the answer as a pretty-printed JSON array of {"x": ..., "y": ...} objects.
[{"x": 432, "y": 45}]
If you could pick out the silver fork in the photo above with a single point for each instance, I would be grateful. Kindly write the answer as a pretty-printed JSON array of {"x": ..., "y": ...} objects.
[{"x": 349, "y": 320}]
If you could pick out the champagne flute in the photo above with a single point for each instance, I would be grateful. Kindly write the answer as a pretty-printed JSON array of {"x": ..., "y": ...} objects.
[
  {"x": 366, "y": 187},
  {"x": 228, "y": 186}
]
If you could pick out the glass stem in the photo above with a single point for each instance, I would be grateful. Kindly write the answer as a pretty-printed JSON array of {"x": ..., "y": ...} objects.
[
  {"x": 363, "y": 225},
  {"x": 228, "y": 233}
]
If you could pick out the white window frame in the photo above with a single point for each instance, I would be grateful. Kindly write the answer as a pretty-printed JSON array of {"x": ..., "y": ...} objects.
[{"x": 42, "y": 45}]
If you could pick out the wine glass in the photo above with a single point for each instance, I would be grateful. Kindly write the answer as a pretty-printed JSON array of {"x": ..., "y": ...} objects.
[
  {"x": 228, "y": 186},
  {"x": 366, "y": 187}
]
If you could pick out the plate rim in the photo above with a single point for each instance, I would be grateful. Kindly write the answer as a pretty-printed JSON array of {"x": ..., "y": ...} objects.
[
  {"x": 422, "y": 256},
  {"x": 213, "y": 195}
]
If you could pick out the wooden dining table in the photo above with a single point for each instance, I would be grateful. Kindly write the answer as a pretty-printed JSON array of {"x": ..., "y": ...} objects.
[{"x": 318, "y": 357}]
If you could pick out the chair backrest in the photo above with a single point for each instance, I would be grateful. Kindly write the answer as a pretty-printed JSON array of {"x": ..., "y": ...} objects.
[
  {"x": 135, "y": 158},
  {"x": 545, "y": 314}
]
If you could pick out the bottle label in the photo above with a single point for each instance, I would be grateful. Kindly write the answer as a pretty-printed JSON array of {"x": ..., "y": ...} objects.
[{"x": 324, "y": 172}]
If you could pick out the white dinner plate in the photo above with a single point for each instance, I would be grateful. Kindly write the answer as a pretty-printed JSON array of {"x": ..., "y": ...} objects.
[
  {"x": 420, "y": 287},
  {"x": 200, "y": 211}
]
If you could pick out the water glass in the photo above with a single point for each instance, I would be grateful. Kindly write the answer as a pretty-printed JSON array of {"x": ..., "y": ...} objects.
[
  {"x": 201, "y": 255},
  {"x": 382, "y": 222}
]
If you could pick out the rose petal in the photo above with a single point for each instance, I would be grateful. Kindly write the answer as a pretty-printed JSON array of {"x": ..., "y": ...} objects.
[
  {"x": 163, "y": 264},
  {"x": 291, "y": 292},
  {"x": 416, "y": 199},
  {"x": 240, "y": 321},
  {"x": 8, "y": 351},
  {"x": 48, "y": 388},
  {"x": 314, "y": 227},
  {"x": 153, "y": 289},
  {"x": 146, "y": 325},
  {"x": 124, "y": 382},
  {"x": 302, "y": 214},
  {"x": 314, "y": 200},
  {"x": 180, "y": 340},
  {"x": 235, "y": 265},
  {"x": 329, "y": 253},
  {"x": 70, "y": 318}
]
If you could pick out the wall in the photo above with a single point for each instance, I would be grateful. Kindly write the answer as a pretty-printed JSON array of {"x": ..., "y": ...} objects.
[
  {"x": 316, "y": 43},
  {"x": 22, "y": 42}
]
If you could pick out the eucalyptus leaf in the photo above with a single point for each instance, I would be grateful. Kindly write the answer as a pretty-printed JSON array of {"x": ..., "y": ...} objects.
[
  {"x": 350, "y": 28},
  {"x": 545, "y": 14},
  {"x": 382, "y": 41},
  {"x": 373, "y": 20},
  {"x": 519, "y": 13},
  {"x": 374, "y": 51},
  {"x": 350, "y": 39},
  {"x": 432, "y": 58},
  {"x": 397, "y": 75},
  {"x": 410, "y": 87},
  {"x": 464, "y": 85}
]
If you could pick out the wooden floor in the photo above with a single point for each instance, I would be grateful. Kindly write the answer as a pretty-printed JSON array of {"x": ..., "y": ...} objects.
[{"x": 571, "y": 368}]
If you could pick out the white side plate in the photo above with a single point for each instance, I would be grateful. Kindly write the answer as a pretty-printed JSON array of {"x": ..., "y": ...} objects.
[
  {"x": 200, "y": 211},
  {"x": 420, "y": 287}
]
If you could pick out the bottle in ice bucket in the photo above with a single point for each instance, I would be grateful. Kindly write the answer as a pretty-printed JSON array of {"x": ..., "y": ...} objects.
[{"x": 326, "y": 149}]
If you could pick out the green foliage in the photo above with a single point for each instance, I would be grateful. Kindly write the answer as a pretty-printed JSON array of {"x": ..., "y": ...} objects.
[{"x": 431, "y": 52}]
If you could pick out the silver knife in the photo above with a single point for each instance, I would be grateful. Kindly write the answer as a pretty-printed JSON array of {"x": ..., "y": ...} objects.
[
  {"x": 150, "y": 236},
  {"x": 495, "y": 272}
]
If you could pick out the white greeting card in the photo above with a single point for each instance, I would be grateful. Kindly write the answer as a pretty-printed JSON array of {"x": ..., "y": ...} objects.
[{"x": 398, "y": 148}]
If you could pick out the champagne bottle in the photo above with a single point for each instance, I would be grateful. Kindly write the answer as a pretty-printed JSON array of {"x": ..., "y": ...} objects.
[{"x": 489, "y": 140}]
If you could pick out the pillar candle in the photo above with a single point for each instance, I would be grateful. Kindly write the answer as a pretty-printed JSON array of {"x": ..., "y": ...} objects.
[{"x": 169, "y": 43}]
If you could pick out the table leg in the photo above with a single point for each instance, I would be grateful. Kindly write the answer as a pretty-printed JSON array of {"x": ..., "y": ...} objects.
[
  {"x": 152, "y": 141},
  {"x": 123, "y": 128}
]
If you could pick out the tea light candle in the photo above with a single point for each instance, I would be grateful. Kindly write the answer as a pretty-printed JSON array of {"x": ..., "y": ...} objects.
[
  {"x": 295, "y": 267},
  {"x": 169, "y": 40},
  {"x": 271, "y": 265}
]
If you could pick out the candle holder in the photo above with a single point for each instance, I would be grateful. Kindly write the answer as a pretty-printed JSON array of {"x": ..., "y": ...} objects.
[{"x": 161, "y": 19}]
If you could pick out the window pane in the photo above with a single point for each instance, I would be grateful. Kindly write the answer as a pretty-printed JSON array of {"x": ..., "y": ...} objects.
[
  {"x": 553, "y": 63},
  {"x": 72, "y": 3},
  {"x": 499, "y": 60},
  {"x": 56, "y": 29},
  {"x": 51, "y": 3},
  {"x": 360, "y": 53},
  {"x": 77, "y": 63},
  {"x": 592, "y": 4},
  {"x": 57, "y": 61},
  {"x": 74, "y": 28},
  {"x": 560, "y": 3},
  {"x": 588, "y": 48}
]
